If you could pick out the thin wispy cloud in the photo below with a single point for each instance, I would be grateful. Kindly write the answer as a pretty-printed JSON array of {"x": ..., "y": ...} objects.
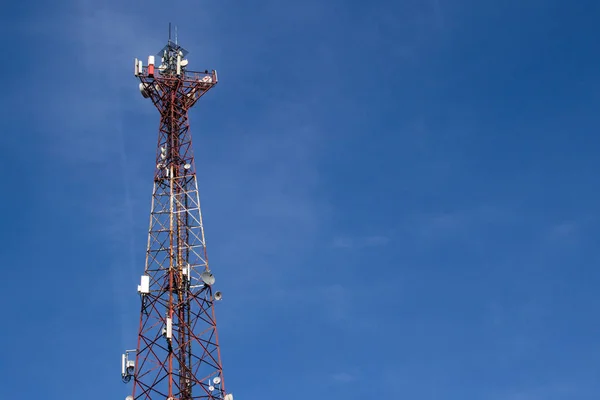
[
  {"x": 560, "y": 390},
  {"x": 343, "y": 377},
  {"x": 89, "y": 113},
  {"x": 438, "y": 13},
  {"x": 330, "y": 303},
  {"x": 358, "y": 242},
  {"x": 563, "y": 234},
  {"x": 462, "y": 223}
]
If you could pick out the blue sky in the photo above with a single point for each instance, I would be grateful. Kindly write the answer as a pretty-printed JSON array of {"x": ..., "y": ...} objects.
[{"x": 400, "y": 198}]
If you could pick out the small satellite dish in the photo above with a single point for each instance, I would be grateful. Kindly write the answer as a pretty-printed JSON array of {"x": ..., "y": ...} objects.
[
  {"x": 187, "y": 166},
  {"x": 129, "y": 398},
  {"x": 218, "y": 296},
  {"x": 228, "y": 396},
  {"x": 216, "y": 380},
  {"x": 144, "y": 90},
  {"x": 207, "y": 278},
  {"x": 211, "y": 388}
]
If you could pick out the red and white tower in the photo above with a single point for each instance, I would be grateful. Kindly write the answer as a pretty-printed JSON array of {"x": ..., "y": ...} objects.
[{"x": 177, "y": 355}]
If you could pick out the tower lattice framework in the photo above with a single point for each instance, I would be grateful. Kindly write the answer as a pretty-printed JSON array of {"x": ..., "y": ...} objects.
[{"x": 177, "y": 355}]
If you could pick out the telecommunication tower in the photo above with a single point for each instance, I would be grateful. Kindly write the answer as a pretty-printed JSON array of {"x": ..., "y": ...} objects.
[{"x": 177, "y": 355}]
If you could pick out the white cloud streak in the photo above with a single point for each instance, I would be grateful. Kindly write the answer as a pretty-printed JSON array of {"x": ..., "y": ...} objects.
[{"x": 360, "y": 242}]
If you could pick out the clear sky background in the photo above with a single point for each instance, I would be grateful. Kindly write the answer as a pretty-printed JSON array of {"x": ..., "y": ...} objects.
[{"x": 400, "y": 197}]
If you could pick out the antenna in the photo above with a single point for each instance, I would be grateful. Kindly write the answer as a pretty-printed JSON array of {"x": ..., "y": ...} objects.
[
  {"x": 169, "y": 32},
  {"x": 207, "y": 278},
  {"x": 175, "y": 35}
]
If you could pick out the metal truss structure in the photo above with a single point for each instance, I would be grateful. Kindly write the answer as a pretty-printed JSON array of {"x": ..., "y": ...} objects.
[{"x": 177, "y": 355}]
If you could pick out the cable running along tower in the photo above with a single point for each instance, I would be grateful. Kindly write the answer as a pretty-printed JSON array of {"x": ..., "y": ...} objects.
[{"x": 177, "y": 355}]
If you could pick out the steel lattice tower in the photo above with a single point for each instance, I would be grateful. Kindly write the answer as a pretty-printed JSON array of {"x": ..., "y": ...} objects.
[{"x": 177, "y": 355}]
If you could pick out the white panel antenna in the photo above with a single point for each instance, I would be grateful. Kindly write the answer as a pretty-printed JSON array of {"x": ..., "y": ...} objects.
[
  {"x": 144, "y": 286},
  {"x": 169, "y": 330}
]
